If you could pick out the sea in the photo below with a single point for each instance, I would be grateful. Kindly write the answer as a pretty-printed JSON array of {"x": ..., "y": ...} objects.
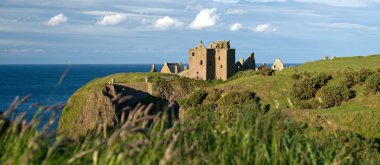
[{"x": 52, "y": 84}]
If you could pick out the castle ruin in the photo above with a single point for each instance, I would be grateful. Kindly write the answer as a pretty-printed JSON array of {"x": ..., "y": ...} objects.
[
  {"x": 214, "y": 62},
  {"x": 247, "y": 64}
]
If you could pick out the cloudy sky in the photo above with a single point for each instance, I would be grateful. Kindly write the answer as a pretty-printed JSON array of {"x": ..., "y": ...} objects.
[{"x": 156, "y": 31}]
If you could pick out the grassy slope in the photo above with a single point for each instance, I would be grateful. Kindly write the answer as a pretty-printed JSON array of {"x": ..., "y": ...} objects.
[{"x": 360, "y": 115}]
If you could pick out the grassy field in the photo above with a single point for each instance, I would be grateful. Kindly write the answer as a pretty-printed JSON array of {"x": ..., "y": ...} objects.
[
  {"x": 254, "y": 137},
  {"x": 360, "y": 115}
]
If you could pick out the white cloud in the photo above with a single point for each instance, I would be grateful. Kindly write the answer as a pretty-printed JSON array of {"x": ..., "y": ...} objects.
[
  {"x": 167, "y": 22},
  {"x": 56, "y": 20},
  {"x": 265, "y": 27},
  {"x": 235, "y": 12},
  {"x": 236, "y": 27},
  {"x": 112, "y": 19},
  {"x": 342, "y": 3},
  {"x": 205, "y": 18},
  {"x": 347, "y": 26}
]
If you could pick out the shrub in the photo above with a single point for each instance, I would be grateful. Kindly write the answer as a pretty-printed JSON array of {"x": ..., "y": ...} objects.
[
  {"x": 213, "y": 96},
  {"x": 308, "y": 104},
  {"x": 296, "y": 76},
  {"x": 320, "y": 79},
  {"x": 165, "y": 89},
  {"x": 363, "y": 75},
  {"x": 349, "y": 78},
  {"x": 307, "y": 87},
  {"x": 194, "y": 99},
  {"x": 238, "y": 98},
  {"x": 378, "y": 70},
  {"x": 373, "y": 83},
  {"x": 303, "y": 89},
  {"x": 335, "y": 95},
  {"x": 265, "y": 71}
]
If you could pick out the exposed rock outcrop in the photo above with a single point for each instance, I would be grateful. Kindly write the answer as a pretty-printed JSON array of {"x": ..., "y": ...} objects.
[
  {"x": 100, "y": 102},
  {"x": 96, "y": 109},
  {"x": 99, "y": 106}
]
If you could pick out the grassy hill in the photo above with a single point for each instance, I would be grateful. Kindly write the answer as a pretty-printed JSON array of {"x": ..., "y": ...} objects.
[{"x": 360, "y": 114}]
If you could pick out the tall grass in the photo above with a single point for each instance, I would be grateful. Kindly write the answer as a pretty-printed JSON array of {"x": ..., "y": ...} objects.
[{"x": 253, "y": 138}]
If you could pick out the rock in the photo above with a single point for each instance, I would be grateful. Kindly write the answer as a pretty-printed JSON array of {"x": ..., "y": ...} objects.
[{"x": 96, "y": 109}]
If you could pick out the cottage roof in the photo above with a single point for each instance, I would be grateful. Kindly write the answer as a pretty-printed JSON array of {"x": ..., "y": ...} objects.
[{"x": 172, "y": 66}]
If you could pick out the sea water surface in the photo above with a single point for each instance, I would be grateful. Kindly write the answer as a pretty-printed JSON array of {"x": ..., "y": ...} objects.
[{"x": 41, "y": 81}]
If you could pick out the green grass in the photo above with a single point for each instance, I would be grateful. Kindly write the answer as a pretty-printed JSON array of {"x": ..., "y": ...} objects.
[
  {"x": 359, "y": 115},
  {"x": 253, "y": 138},
  {"x": 340, "y": 63}
]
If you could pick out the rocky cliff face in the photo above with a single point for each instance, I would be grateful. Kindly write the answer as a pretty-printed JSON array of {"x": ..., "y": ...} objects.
[
  {"x": 99, "y": 103},
  {"x": 98, "y": 108}
]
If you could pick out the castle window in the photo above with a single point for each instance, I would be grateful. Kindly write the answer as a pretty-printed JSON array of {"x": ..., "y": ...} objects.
[
  {"x": 193, "y": 53},
  {"x": 221, "y": 66},
  {"x": 197, "y": 72},
  {"x": 219, "y": 57},
  {"x": 201, "y": 62}
]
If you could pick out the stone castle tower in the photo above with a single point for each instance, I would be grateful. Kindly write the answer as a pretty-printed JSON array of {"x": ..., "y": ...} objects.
[{"x": 214, "y": 62}]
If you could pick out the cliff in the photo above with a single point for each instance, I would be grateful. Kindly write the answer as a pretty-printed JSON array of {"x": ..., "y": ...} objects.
[{"x": 100, "y": 102}]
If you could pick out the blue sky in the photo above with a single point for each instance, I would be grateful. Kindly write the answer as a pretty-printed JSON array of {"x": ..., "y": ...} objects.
[{"x": 158, "y": 31}]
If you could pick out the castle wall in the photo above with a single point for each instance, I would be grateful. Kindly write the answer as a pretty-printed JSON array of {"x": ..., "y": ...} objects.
[
  {"x": 210, "y": 68},
  {"x": 197, "y": 63},
  {"x": 225, "y": 63}
]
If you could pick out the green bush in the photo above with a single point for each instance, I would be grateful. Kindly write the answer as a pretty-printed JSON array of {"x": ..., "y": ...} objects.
[
  {"x": 378, "y": 70},
  {"x": 265, "y": 71},
  {"x": 349, "y": 78},
  {"x": 308, "y": 104},
  {"x": 335, "y": 95},
  {"x": 363, "y": 75},
  {"x": 307, "y": 87},
  {"x": 321, "y": 79},
  {"x": 194, "y": 99},
  {"x": 373, "y": 83},
  {"x": 296, "y": 76},
  {"x": 237, "y": 98},
  {"x": 213, "y": 96}
]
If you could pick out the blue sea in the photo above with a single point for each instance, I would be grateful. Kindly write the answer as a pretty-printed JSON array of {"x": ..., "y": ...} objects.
[{"x": 41, "y": 81}]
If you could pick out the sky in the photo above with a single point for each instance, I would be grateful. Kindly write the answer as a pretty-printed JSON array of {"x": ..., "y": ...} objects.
[{"x": 158, "y": 31}]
